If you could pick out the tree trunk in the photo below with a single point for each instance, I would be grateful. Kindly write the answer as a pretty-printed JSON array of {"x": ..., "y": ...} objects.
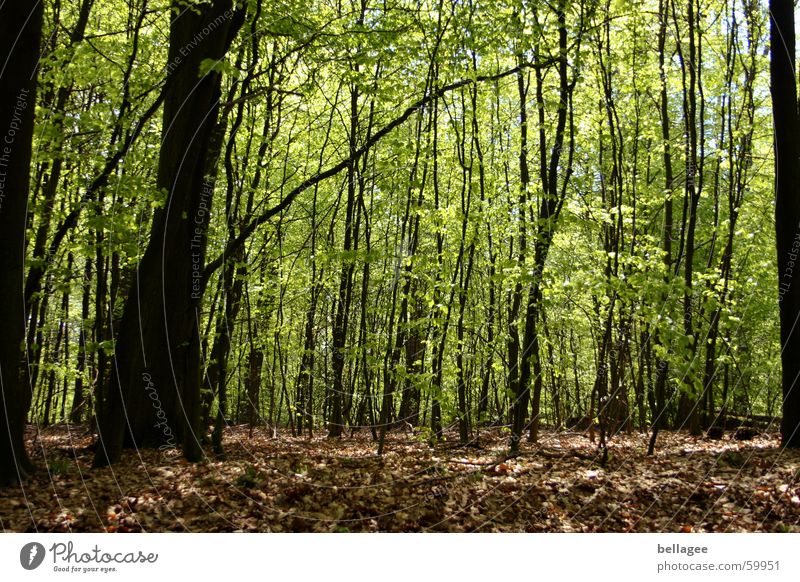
[
  {"x": 662, "y": 365},
  {"x": 554, "y": 174},
  {"x": 78, "y": 408},
  {"x": 20, "y": 37},
  {"x": 787, "y": 206},
  {"x": 157, "y": 352}
]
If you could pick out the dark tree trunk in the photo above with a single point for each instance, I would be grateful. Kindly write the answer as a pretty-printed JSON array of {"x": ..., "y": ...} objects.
[
  {"x": 342, "y": 318},
  {"x": 255, "y": 362},
  {"x": 218, "y": 368},
  {"x": 662, "y": 365},
  {"x": 787, "y": 206},
  {"x": 77, "y": 410},
  {"x": 157, "y": 352},
  {"x": 486, "y": 374},
  {"x": 515, "y": 387},
  {"x": 689, "y": 413},
  {"x": 20, "y": 37},
  {"x": 554, "y": 174},
  {"x": 49, "y": 406},
  {"x": 65, "y": 327},
  {"x": 57, "y": 116}
]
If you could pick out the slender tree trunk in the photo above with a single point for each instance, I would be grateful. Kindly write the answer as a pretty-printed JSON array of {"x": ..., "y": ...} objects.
[
  {"x": 662, "y": 365},
  {"x": 693, "y": 178},
  {"x": 555, "y": 174},
  {"x": 78, "y": 408},
  {"x": 57, "y": 116},
  {"x": 50, "y": 406},
  {"x": 517, "y": 390}
]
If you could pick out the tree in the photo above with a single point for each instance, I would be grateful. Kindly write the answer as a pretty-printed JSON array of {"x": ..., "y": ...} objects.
[
  {"x": 156, "y": 399},
  {"x": 442, "y": 215},
  {"x": 20, "y": 38},
  {"x": 783, "y": 85},
  {"x": 554, "y": 176}
]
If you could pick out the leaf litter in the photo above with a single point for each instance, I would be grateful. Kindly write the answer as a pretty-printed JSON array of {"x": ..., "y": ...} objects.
[{"x": 300, "y": 484}]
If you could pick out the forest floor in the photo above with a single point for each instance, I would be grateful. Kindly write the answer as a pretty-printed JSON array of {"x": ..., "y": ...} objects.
[{"x": 291, "y": 484}]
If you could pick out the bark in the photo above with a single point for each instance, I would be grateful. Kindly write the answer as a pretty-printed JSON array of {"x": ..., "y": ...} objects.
[
  {"x": 783, "y": 85},
  {"x": 555, "y": 175},
  {"x": 662, "y": 365},
  {"x": 20, "y": 39},
  {"x": 52, "y": 178},
  {"x": 515, "y": 387},
  {"x": 342, "y": 318},
  {"x": 157, "y": 355},
  {"x": 78, "y": 408}
]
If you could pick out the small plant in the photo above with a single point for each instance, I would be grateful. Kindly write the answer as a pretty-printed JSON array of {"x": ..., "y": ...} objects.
[
  {"x": 250, "y": 478},
  {"x": 476, "y": 476},
  {"x": 733, "y": 458},
  {"x": 423, "y": 434},
  {"x": 58, "y": 467}
]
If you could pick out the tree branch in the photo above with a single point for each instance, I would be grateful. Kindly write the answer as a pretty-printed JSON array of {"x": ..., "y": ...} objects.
[{"x": 250, "y": 228}]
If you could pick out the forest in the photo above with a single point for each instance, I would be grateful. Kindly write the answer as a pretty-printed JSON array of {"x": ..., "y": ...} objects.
[{"x": 399, "y": 265}]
